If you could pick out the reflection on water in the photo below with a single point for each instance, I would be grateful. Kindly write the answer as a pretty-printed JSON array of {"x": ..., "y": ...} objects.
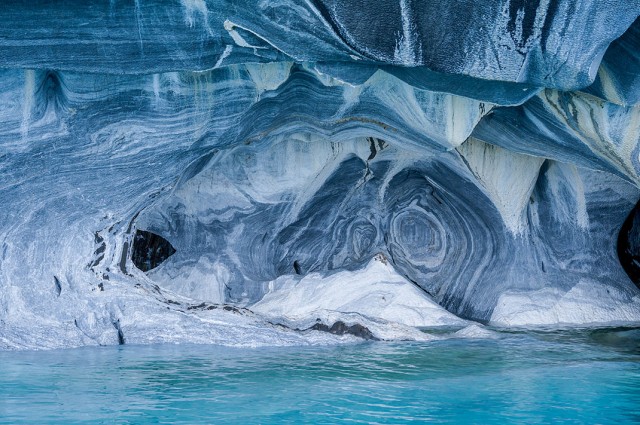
[{"x": 522, "y": 376}]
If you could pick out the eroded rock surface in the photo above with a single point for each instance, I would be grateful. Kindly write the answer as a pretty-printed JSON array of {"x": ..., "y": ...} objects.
[{"x": 485, "y": 153}]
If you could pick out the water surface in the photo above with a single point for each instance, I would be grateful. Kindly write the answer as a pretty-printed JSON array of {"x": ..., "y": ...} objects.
[{"x": 587, "y": 376}]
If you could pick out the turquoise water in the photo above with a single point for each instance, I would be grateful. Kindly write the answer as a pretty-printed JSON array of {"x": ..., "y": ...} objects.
[{"x": 524, "y": 377}]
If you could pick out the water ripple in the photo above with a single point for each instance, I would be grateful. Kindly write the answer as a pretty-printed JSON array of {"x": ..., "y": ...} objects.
[{"x": 572, "y": 376}]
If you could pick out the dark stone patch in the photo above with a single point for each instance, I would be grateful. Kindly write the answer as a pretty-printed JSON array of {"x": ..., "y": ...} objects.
[
  {"x": 231, "y": 308},
  {"x": 101, "y": 249},
  {"x": 341, "y": 328},
  {"x": 203, "y": 306},
  {"x": 280, "y": 325},
  {"x": 123, "y": 258},
  {"x": 98, "y": 253},
  {"x": 372, "y": 148},
  {"x": 207, "y": 306},
  {"x": 150, "y": 250}
]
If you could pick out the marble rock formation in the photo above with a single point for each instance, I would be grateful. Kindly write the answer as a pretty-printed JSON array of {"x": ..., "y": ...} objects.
[{"x": 283, "y": 172}]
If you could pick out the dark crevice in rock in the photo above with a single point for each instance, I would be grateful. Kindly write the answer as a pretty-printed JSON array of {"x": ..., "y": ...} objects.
[
  {"x": 150, "y": 250},
  {"x": 296, "y": 267},
  {"x": 629, "y": 245},
  {"x": 56, "y": 281},
  {"x": 116, "y": 325}
]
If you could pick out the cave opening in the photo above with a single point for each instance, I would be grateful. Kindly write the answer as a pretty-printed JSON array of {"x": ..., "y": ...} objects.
[
  {"x": 150, "y": 250},
  {"x": 629, "y": 245}
]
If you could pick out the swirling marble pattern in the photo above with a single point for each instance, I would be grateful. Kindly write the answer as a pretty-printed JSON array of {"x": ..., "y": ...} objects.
[
  {"x": 504, "y": 40},
  {"x": 619, "y": 72},
  {"x": 283, "y": 141}
]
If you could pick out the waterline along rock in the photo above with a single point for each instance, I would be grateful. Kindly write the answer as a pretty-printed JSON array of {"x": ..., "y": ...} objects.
[{"x": 256, "y": 173}]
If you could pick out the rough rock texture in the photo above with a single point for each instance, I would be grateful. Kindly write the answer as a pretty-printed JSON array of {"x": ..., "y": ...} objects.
[{"x": 486, "y": 152}]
